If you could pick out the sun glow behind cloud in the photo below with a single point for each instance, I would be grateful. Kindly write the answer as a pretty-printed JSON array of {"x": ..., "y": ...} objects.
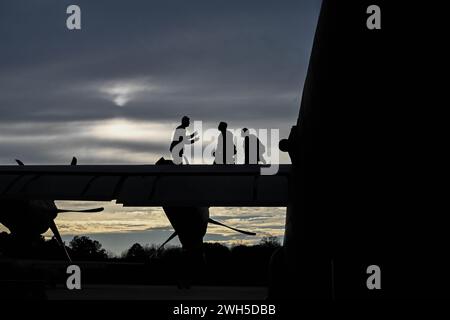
[
  {"x": 123, "y": 91},
  {"x": 127, "y": 130}
]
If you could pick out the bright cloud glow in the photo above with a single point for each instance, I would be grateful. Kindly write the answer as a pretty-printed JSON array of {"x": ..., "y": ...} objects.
[
  {"x": 123, "y": 91},
  {"x": 127, "y": 130}
]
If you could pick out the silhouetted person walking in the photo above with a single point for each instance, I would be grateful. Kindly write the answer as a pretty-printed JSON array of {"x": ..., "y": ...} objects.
[
  {"x": 226, "y": 150},
  {"x": 253, "y": 148},
  {"x": 180, "y": 139}
]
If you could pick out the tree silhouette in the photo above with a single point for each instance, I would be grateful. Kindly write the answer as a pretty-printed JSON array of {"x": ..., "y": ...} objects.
[
  {"x": 270, "y": 242},
  {"x": 136, "y": 253},
  {"x": 84, "y": 248}
]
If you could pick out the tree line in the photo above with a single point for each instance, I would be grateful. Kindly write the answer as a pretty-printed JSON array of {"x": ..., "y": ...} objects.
[{"x": 238, "y": 264}]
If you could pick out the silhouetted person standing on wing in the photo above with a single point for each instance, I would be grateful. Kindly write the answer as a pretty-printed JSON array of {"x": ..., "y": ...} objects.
[
  {"x": 226, "y": 150},
  {"x": 180, "y": 139},
  {"x": 253, "y": 148}
]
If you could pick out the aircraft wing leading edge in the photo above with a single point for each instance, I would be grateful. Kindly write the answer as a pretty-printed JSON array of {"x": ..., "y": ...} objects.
[{"x": 148, "y": 185}]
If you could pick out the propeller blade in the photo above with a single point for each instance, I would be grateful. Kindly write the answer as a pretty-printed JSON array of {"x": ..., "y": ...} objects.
[
  {"x": 237, "y": 230},
  {"x": 86, "y": 210},
  {"x": 55, "y": 231},
  {"x": 173, "y": 235},
  {"x": 20, "y": 163}
]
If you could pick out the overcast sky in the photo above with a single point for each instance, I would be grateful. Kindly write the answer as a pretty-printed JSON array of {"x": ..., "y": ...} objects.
[{"x": 114, "y": 91}]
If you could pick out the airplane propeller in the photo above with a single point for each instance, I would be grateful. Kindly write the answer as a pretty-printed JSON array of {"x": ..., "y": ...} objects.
[
  {"x": 93, "y": 210},
  {"x": 234, "y": 229},
  {"x": 50, "y": 208},
  {"x": 58, "y": 238},
  {"x": 174, "y": 234},
  {"x": 56, "y": 233}
]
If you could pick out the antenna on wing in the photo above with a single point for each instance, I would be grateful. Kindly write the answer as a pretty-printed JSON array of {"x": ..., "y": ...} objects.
[{"x": 20, "y": 163}]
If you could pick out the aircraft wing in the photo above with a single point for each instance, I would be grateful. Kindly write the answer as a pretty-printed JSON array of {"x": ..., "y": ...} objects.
[{"x": 148, "y": 185}]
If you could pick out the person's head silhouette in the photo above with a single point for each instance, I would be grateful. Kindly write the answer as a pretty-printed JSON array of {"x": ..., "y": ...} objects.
[
  {"x": 185, "y": 121},
  {"x": 244, "y": 132},
  {"x": 222, "y": 126}
]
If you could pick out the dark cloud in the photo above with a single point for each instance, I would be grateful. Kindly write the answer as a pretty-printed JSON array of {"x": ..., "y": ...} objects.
[{"x": 239, "y": 61}]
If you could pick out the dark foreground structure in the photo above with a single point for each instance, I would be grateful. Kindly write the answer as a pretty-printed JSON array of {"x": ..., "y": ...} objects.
[{"x": 359, "y": 191}]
